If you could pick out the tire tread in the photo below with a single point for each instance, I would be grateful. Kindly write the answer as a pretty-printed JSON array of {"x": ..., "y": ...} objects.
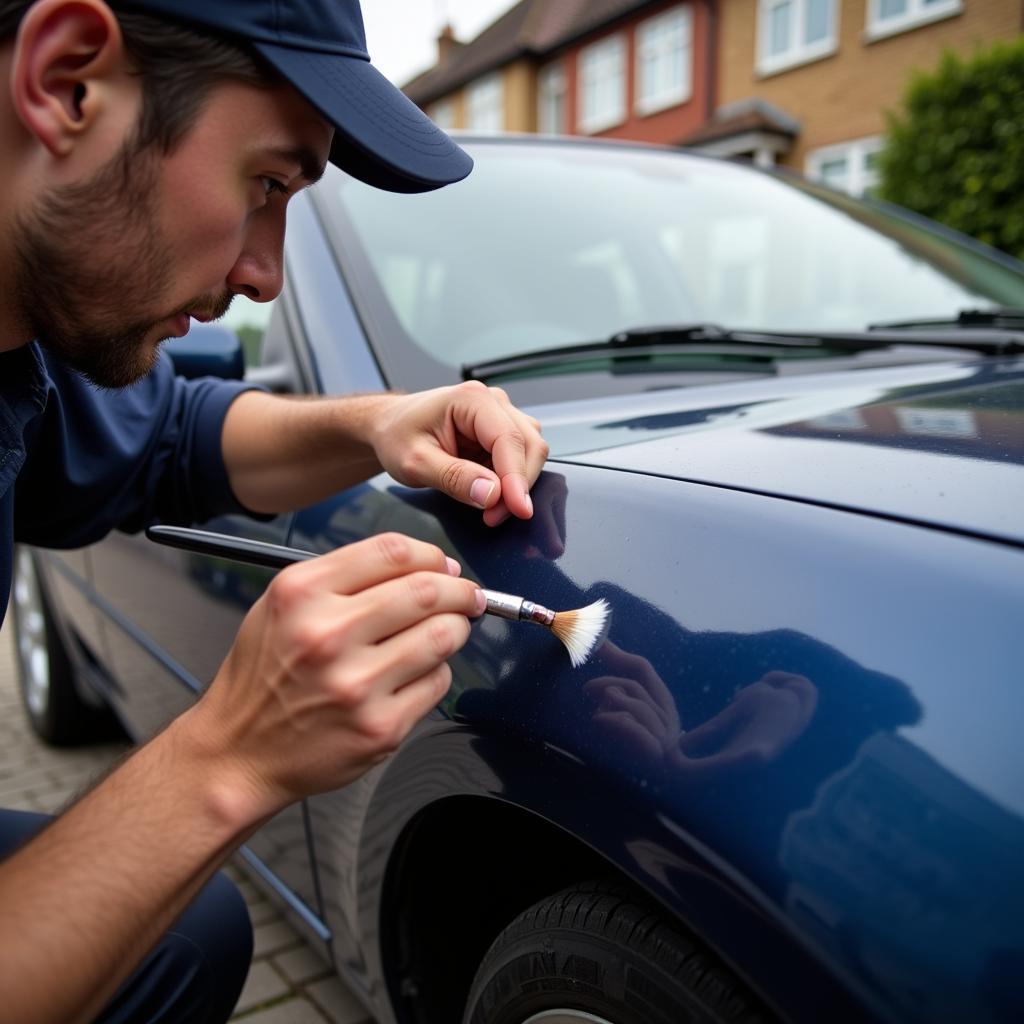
[{"x": 613, "y": 912}]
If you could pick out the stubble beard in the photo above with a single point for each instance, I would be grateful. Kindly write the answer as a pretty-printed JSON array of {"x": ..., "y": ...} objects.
[{"x": 87, "y": 257}]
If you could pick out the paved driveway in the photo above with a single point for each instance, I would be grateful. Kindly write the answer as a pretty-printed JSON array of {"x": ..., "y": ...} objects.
[{"x": 288, "y": 982}]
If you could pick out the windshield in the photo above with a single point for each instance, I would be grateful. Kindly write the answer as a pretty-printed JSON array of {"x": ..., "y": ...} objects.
[{"x": 553, "y": 244}]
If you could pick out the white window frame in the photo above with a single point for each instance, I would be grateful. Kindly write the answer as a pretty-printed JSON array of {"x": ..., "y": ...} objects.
[
  {"x": 918, "y": 13},
  {"x": 653, "y": 38},
  {"x": 442, "y": 113},
  {"x": 485, "y": 104},
  {"x": 798, "y": 52},
  {"x": 856, "y": 151},
  {"x": 552, "y": 94},
  {"x": 925, "y": 422},
  {"x": 593, "y": 61}
]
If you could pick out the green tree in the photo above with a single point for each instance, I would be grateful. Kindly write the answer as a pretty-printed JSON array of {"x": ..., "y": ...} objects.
[
  {"x": 955, "y": 152},
  {"x": 251, "y": 338}
]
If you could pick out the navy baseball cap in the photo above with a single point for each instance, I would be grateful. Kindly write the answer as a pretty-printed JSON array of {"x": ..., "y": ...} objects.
[{"x": 319, "y": 46}]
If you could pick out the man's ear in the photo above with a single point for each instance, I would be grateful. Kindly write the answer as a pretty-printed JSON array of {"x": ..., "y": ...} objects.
[{"x": 66, "y": 54}]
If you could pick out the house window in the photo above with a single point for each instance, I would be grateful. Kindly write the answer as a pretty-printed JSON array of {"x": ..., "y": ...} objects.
[
  {"x": 551, "y": 92},
  {"x": 792, "y": 32},
  {"x": 887, "y": 17},
  {"x": 486, "y": 104},
  {"x": 442, "y": 114},
  {"x": 664, "y": 60},
  {"x": 850, "y": 166},
  {"x": 602, "y": 85}
]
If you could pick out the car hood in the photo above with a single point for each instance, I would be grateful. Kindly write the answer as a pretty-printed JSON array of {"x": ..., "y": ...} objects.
[{"x": 941, "y": 444}]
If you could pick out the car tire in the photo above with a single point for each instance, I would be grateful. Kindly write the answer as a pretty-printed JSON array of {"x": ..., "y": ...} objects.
[
  {"x": 599, "y": 953},
  {"x": 55, "y": 710}
]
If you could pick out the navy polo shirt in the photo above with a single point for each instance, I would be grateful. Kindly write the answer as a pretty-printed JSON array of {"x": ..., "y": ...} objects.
[{"x": 77, "y": 461}]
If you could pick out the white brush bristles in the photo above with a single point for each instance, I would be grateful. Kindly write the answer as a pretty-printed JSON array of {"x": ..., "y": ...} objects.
[{"x": 579, "y": 630}]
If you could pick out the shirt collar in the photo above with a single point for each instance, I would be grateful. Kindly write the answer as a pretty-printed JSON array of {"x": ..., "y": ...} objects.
[{"x": 23, "y": 386}]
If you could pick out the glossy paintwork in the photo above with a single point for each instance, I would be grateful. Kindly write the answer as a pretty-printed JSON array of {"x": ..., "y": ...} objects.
[
  {"x": 883, "y": 832},
  {"x": 882, "y": 841},
  {"x": 948, "y": 450}
]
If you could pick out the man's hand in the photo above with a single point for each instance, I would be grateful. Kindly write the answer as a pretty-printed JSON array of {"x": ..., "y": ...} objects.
[
  {"x": 762, "y": 720},
  {"x": 332, "y": 667},
  {"x": 467, "y": 440}
]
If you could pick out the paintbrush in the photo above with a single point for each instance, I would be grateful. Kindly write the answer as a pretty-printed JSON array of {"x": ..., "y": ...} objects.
[{"x": 578, "y": 629}]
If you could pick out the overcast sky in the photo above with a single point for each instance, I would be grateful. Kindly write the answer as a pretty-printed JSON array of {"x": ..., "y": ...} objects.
[{"x": 401, "y": 35}]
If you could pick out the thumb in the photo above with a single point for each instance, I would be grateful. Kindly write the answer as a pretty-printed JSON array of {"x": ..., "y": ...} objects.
[{"x": 463, "y": 480}]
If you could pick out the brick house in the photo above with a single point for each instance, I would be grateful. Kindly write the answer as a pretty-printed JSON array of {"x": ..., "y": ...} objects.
[
  {"x": 801, "y": 83},
  {"x": 805, "y": 83},
  {"x": 628, "y": 69}
]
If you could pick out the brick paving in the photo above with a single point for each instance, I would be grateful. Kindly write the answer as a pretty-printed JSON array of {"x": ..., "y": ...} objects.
[{"x": 288, "y": 983}]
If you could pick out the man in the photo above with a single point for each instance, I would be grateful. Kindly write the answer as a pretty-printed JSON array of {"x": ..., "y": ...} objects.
[{"x": 148, "y": 149}]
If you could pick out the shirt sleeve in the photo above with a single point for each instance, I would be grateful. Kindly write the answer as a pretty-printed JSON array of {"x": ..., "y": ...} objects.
[{"x": 99, "y": 460}]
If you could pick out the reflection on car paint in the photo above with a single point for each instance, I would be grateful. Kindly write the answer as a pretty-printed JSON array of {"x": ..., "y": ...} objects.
[{"x": 774, "y": 745}]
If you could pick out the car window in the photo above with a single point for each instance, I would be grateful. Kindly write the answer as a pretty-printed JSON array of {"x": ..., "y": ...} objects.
[{"x": 544, "y": 246}]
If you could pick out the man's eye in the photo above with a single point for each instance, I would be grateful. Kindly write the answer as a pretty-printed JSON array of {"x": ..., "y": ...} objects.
[{"x": 272, "y": 185}]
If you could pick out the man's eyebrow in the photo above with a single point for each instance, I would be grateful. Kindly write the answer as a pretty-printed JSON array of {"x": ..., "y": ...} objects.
[{"x": 310, "y": 165}]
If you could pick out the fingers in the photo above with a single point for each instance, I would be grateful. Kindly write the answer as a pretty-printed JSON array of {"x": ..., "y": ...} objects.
[
  {"x": 333, "y": 666},
  {"x": 356, "y": 567},
  {"x": 396, "y": 605},
  {"x": 469, "y": 441},
  {"x": 408, "y": 656},
  {"x": 631, "y": 731},
  {"x": 762, "y": 720},
  {"x": 418, "y": 698},
  {"x": 801, "y": 687},
  {"x": 615, "y": 696},
  {"x": 635, "y": 667},
  {"x": 517, "y": 450}
]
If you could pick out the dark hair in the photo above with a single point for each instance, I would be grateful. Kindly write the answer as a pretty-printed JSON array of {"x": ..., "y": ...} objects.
[{"x": 178, "y": 65}]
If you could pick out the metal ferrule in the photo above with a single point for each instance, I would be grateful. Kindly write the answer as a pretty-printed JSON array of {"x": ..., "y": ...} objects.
[
  {"x": 508, "y": 606},
  {"x": 537, "y": 613}
]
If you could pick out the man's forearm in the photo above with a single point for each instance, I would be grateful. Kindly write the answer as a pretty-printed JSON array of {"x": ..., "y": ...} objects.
[
  {"x": 96, "y": 889},
  {"x": 285, "y": 453}
]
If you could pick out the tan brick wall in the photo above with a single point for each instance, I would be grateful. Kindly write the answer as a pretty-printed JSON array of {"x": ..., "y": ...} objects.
[
  {"x": 459, "y": 99},
  {"x": 843, "y": 96},
  {"x": 458, "y": 102},
  {"x": 518, "y": 81},
  {"x": 520, "y": 97}
]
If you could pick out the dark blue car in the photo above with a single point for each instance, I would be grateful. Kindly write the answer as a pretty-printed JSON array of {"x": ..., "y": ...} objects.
[{"x": 787, "y": 436}]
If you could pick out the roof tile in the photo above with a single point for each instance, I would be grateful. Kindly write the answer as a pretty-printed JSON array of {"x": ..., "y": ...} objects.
[{"x": 530, "y": 28}]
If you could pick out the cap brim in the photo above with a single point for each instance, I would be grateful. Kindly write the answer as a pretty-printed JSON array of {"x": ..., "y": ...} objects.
[{"x": 381, "y": 136}]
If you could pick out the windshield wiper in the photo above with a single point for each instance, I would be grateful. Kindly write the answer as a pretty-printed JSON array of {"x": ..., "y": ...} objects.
[
  {"x": 636, "y": 343},
  {"x": 1004, "y": 318},
  {"x": 632, "y": 344}
]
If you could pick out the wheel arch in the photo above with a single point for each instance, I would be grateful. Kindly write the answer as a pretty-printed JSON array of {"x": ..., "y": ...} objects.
[
  {"x": 469, "y": 830},
  {"x": 431, "y": 938}
]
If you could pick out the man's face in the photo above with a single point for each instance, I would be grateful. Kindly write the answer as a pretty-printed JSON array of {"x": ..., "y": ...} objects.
[{"x": 107, "y": 269}]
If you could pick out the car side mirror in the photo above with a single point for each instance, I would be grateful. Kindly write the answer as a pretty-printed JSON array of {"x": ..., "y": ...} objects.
[{"x": 208, "y": 350}]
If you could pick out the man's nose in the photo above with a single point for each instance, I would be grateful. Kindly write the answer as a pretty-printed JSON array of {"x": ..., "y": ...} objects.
[{"x": 258, "y": 272}]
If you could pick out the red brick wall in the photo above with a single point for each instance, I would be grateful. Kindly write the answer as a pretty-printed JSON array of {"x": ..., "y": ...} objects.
[{"x": 665, "y": 126}]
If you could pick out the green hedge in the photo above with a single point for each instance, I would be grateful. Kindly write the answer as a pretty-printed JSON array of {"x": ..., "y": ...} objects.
[{"x": 956, "y": 151}]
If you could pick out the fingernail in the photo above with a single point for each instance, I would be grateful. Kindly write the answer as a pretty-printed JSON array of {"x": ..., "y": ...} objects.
[
  {"x": 481, "y": 602},
  {"x": 481, "y": 491},
  {"x": 454, "y": 569},
  {"x": 529, "y": 502}
]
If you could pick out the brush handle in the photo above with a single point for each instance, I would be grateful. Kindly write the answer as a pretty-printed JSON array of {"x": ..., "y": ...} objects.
[{"x": 222, "y": 545}]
